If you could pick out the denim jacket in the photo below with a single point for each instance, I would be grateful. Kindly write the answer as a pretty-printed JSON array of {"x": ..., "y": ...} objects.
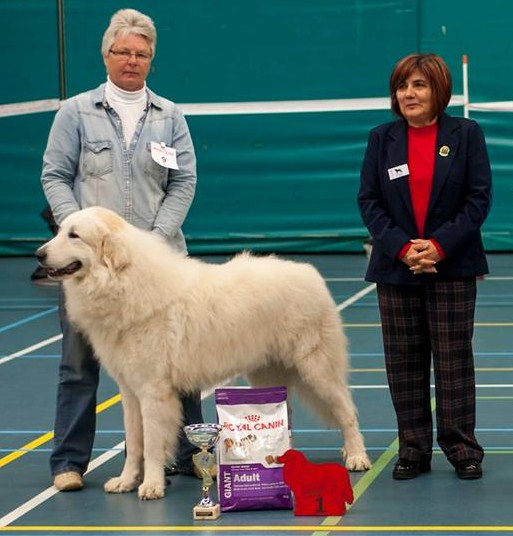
[{"x": 86, "y": 163}]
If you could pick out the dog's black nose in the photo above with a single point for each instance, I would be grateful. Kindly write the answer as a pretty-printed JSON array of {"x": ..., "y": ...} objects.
[{"x": 40, "y": 255}]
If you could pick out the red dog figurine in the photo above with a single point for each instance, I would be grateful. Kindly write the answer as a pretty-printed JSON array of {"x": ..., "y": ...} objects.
[{"x": 320, "y": 489}]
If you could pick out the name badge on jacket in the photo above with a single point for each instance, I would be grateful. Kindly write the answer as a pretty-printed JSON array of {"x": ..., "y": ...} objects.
[
  {"x": 164, "y": 155},
  {"x": 398, "y": 171}
]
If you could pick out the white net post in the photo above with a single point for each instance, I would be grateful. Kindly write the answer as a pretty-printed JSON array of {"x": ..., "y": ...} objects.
[{"x": 465, "y": 86}]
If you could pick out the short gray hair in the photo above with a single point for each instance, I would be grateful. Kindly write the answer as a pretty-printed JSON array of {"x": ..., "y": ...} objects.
[{"x": 129, "y": 21}]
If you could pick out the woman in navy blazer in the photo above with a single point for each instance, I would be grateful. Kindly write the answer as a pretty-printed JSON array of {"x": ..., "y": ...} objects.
[{"x": 425, "y": 192}]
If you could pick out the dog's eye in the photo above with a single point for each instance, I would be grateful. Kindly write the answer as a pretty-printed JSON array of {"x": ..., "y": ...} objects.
[{"x": 72, "y": 234}]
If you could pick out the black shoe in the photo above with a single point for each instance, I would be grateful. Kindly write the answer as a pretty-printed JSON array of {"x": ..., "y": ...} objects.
[
  {"x": 171, "y": 469},
  {"x": 469, "y": 470},
  {"x": 406, "y": 469}
]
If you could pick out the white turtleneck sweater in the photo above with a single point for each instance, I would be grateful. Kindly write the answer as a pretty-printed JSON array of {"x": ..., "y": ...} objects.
[{"x": 129, "y": 105}]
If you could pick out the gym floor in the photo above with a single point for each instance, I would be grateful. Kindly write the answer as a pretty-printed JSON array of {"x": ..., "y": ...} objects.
[{"x": 437, "y": 503}]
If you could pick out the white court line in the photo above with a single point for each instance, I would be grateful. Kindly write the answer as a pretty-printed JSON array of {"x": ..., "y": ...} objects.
[
  {"x": 29, "y": 349},
  {"x": 51, "y": 491},
  {"x": 356, "y": 297}
]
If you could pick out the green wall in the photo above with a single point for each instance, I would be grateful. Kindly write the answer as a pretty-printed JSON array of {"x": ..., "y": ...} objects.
[{"x": 273, "y": 182}]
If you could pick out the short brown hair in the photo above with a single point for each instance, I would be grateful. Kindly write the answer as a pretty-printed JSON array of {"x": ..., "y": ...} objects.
[{"x": 435, "y": 70}]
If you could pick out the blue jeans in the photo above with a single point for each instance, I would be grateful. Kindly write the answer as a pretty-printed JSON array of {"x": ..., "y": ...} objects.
[{"x": 75, "y": 419}]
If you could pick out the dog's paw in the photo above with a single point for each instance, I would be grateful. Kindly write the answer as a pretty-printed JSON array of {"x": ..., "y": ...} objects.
[
  {"x": 149, "y": 491},
  {"x": 358, "y": 462},
  {"x": 119, "y": 485}
]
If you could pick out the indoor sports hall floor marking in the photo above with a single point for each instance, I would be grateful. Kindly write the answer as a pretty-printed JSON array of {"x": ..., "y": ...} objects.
[
  {"x": 29, "y": 349},
  {"x": 324, "y": 526},
  {"x": 49, "y": 435},
  {"x": 48, "y": 493},
  {"x": 314, "y": 529}
]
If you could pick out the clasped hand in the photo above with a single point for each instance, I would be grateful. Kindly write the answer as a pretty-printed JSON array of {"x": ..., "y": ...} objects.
[{"x": 422, "y": 257}]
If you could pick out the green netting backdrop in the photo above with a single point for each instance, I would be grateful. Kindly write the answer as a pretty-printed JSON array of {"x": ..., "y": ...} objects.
[{"x": 271, "y": 182}]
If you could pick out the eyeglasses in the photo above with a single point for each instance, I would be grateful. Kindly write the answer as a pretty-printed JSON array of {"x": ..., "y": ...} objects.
[{"x": 125, "y": 55}]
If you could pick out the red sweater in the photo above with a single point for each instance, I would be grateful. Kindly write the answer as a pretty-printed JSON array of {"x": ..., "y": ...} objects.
[{"x": 421, "y": 166}]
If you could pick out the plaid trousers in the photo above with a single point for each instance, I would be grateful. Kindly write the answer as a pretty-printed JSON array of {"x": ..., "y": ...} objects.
[{"x": 433, "y": 320}]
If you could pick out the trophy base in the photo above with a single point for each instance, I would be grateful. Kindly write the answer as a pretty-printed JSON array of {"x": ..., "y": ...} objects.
[{"x": 206, "y": 512}]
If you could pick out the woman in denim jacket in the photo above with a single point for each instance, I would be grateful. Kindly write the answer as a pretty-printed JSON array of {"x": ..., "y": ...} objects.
[{"x": 125, "y": 148}]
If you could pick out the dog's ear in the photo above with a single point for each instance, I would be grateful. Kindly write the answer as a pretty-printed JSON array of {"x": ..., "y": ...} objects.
[{"x": 113, "y": 253}]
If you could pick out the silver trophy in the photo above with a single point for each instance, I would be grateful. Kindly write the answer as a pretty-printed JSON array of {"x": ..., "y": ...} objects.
[{"x": 204, "y": 436}]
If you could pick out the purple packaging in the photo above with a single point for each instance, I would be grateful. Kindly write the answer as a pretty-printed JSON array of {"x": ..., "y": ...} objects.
[{"x": 255, "y": 430}]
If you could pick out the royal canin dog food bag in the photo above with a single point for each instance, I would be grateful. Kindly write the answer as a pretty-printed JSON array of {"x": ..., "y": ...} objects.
[{"x": 255, "y": 430}]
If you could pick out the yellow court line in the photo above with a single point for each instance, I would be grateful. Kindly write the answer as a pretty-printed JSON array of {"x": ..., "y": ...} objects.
[
  {"x": 26, "y": 448},
  {"x": 41, "y": 440},
  {"x": 259, "y": 528},
  {"x": 108, "y": 403}
]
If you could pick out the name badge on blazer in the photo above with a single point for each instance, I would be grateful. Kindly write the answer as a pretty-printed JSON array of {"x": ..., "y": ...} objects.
[{"x": 397, "y": 172}]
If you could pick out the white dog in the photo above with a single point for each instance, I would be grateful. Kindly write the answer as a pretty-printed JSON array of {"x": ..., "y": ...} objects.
[{"x": 162, "y": 324}]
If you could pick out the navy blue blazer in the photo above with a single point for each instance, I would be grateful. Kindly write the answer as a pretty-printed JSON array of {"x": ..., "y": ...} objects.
[{"x": 459, "y": 203}]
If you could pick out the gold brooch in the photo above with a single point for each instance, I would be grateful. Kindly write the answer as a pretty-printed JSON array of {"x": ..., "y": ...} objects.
[{"x": 444, "y": 151}]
